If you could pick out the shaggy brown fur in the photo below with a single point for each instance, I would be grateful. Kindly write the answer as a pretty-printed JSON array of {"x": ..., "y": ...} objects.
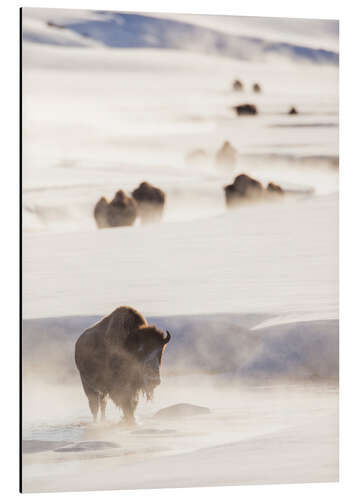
[
  {"x": 122, "y": 210},
  {"x": 227, "y": 155},
  {"x": 151, "y": 202},
  {"x": 243, "y": 187},
  {"x": 112, "y": 359},
  {"x": 246, "y": 109}
]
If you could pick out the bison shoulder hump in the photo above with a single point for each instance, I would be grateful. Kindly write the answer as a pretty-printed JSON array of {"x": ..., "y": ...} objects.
[{"x": 121, "y": 322}]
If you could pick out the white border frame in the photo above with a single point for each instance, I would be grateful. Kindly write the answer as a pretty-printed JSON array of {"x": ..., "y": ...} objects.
[{"x": 345, "y": 12}]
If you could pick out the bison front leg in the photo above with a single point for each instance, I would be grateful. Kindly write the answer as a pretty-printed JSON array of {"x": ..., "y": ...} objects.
[
  {"x": 93, "y": 400},
  {"x": 103, "y": 405},
  {"x": 129, "y": 405}
]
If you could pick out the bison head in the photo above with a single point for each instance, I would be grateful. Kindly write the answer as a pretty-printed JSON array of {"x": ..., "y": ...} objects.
[{"x": 146, "y": 346}]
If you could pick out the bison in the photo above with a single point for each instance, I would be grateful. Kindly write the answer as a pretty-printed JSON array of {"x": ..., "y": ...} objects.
[
  {"x": 100, "y": 213},
  {"x": 121, "y": 211},
  {"x": 151, "y": 202},
  {"x": 120, "y": 357},
  {"x": 243, "y": 187},
  {"x": 293, "y": 111},
  {"x": 256, "y": 88},
  {"x": 196, "y": 157},
  {"x": 227, "y": 155},
  {"x": 237, "y": 85},
  {"x": 246, "y": 109},
  {"x": 274, "y": 189}
]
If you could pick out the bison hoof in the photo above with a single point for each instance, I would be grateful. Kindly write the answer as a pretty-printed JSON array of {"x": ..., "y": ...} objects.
[{"x": 127, "y": 423}]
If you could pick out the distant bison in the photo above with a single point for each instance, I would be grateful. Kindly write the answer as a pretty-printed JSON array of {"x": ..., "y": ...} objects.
[
  {"x": 246, "y": 188},
  {"x": 226, "y": 155},
  {"x": 121, "y": 211},
  {"x": 246, "y": 109},
  {"x": 118, "y": 357},
  {"x": 293, "y": 111},
  {"x": 151, "y": 202},
  {"x": 274, "y": 189},
  {"x": 243, "y": 188},
  {"x": 237, "y": 85},
  {"x": 100, "y": 213},
  {"x": 256, "y": 88},
  {"x": 196, "y": 157}
]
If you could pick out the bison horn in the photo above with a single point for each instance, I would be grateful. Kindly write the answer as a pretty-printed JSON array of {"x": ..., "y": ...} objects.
[{"x": 168, "y": 337}]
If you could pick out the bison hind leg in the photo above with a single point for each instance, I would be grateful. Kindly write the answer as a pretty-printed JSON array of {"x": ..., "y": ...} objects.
[{"x": 93, "y": 399}]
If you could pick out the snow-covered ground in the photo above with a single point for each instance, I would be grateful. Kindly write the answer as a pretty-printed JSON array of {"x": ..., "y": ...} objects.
[
  {"x": 250, "y": 297},
  {"x": 254, "y": 435},
  {"x": 279, "y": 258}
]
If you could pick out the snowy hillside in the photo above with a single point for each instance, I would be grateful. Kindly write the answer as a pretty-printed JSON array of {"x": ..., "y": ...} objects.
[{"x": 126, "y": 30}]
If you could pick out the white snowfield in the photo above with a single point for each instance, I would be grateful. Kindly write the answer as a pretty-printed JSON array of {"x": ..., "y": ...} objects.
[
  {"x": 289, "y": 454},
  {"x": 277, "y": 258},
  {"x": 250, "y": 297}
]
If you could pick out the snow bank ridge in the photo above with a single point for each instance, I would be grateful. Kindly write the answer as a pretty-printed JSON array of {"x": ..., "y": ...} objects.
[{"x": 219, "y": 344}]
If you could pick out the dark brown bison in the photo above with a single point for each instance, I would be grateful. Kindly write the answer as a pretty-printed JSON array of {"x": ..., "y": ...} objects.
[
  {"x": 237, "y": 85},
  {"x": 246, "y": 109},
  {"x": 243, "y": 188},
  {"x": 256, "y": 88},
  {"x": 119, "y": 357},
  {"x": 121, "y": 211},
  {"x": 226, "y": 155},
  {"x": 293, "y": 111},
  {"x": 100, "y": 213},
  {"x": 151, "y": 202},
  {"x": 274, "y": 189}
]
